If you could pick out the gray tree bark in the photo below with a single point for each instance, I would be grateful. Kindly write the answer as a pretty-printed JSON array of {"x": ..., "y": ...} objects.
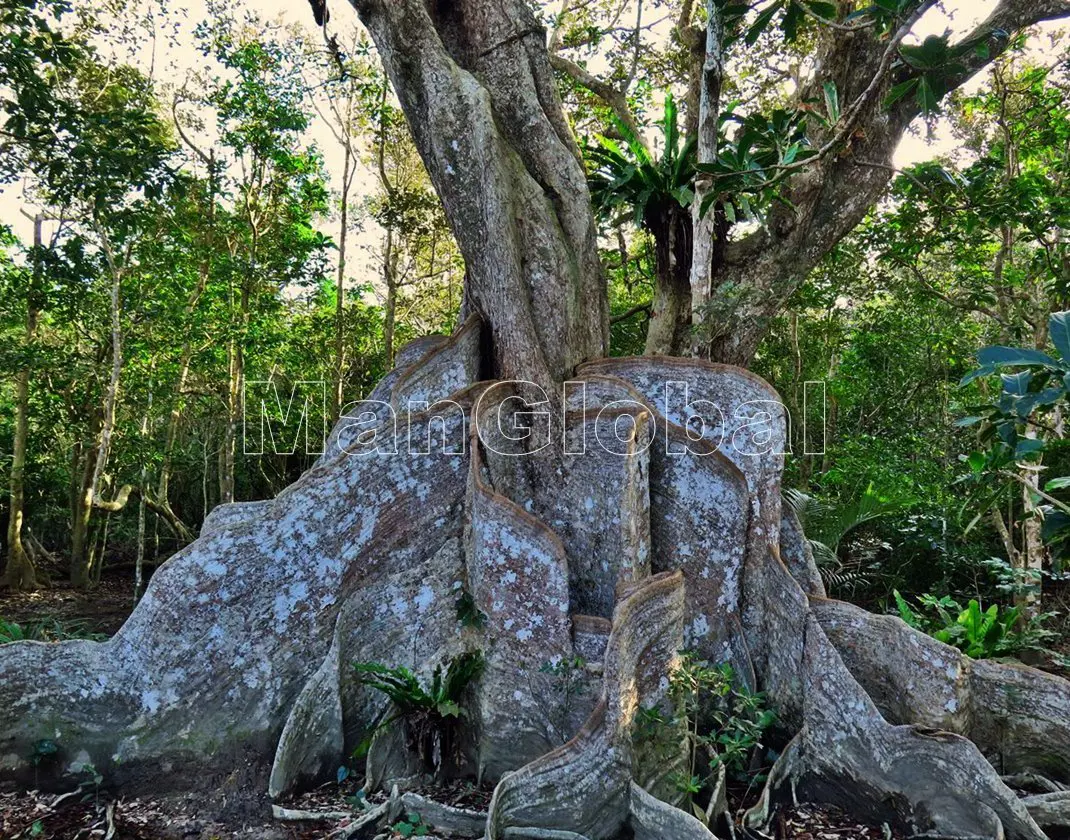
[{"x": 475, "y": 83}]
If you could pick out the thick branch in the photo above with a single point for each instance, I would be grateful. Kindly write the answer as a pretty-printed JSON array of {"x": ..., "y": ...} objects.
[
  {"x": 614, "y": 98},
  {"x": 831, "y": 195}
]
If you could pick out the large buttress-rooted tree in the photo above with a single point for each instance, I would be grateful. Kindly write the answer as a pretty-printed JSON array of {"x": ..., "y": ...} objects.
[{"x": 651, "y": 524}]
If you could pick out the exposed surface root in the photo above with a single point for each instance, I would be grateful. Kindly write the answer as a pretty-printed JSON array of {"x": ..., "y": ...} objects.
[
  {"x": 585, "y": 786},
  {"x": 1018, "y": 716}
]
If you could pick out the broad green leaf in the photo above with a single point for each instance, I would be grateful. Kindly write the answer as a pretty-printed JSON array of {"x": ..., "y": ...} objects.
[
  {"x": 1059, "y": 329},
  {"x": 760, "y": 23},
  {"x": 898, "y": 91},
  {"x": 832, "y": 102},
  {"x": 1001, "y": 355},
  {"x": 927, "y": 98}
]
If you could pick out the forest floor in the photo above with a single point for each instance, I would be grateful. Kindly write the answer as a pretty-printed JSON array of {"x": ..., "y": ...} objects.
[
  {"x": 94, "y": 814},
  {"x": 62, "y": 611}
]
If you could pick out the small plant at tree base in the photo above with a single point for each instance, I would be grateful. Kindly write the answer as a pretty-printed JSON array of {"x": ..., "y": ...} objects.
[
  {"x": 979, "y": 633},
  {"x": 11, "y": 632},
  {"x": 90, "y": 785},
  {"x": 566, "y": 674},
  {"x": 430, "y": 713},
  {"x": 411, "y": 826},
  {"x": 468, "y": 613},
  {"x": 44, "y": 751},
  {"x": 719, "y": 717}
]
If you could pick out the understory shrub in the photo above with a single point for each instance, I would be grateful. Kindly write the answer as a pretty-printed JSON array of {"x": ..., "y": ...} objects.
[
  {"x": 721, "y": 720},
  {"x": 979, "y": 633}
]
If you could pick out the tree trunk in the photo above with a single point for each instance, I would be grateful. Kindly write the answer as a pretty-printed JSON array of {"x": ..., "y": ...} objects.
[
  {"x": 111, "y": 395},
  {"x": 669, "y": 332},
  {"x": 475, "y": 83},
  {"x": 82, "y": 513},
  {"x": 391, "y": 304},
  {"x": 704, "y": 212},
  {"x": 228, "y": 445},
  {"x": 19, "y": 574},
  {"x": 340, "y": 285}
]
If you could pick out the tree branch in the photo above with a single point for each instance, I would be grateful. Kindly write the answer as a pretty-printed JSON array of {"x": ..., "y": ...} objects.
[
  {"x": 162, "y": 510},
  {"x": 635, "y": 310},
  {"x": 614, "y": 98}
]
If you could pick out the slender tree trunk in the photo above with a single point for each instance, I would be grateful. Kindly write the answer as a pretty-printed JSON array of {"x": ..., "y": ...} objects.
[
  {"x": 81, "y": 558},
  {"x": 19, "y": 573},
  {"x": 144, "y": 483},
  {"x": 111, "y": 395},
  {"x": 163, "y": 486},
  {"x": 340, "y": 290},
  {"x": 82, "y": 516},
  {"x": 705, "y": 223},
  {"x": 832, "y": 417},
  {"x": 1034, "y": 552},
  {"x": 391, "y": 304},
  {"x": 230, "y": 430}
]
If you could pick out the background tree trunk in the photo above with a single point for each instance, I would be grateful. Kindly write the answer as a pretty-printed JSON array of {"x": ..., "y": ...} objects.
[
  {"x": 19, "y": 573},
  {"x": 340, "y": 286},
  {"x": 669, "y": 332}
]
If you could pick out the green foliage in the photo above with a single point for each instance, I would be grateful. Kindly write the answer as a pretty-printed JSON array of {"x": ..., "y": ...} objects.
[
  {"x": 1012, "y": 429},
  {"x": 979, "y": 633},
  {"x": 46, "y": 630},
  {"x": 566, "y": 677},
  {"x": 751, "y": 162},
  {"x": 411, "y": 826},
  {"x": 468, "y": 612},
  {"x": 828, "y": 523},
  {"x": 430, "y": 713},
  {"x": 631, "y": 177},
  {"x": 722, "y": 723},
  {"x": 214, "y": 212},
  {"x": 441, "y": 698},
  {"x": 932, "y": 262}
]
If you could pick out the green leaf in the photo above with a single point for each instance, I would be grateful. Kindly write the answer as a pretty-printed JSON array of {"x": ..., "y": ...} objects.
[
  {"x": 1056, "y": 525},
  {"x": 1016, "y": 384},
  {"x": 1028, "y": 446},
  {"x": 762, "y": 21},
  {"x": 1057, "y": 484},
  {"x": 927, "y": 98},
  {"x": 1059, "y": 329},
  {"x": 668, "y": 126},
  {"x": 823, "y": 10},
  {"x": 898, "y": 91},
  {"x": 930, "y": 54},
  {"x": 832, "y": 102},
  {"x": 1001, "y": 355}
]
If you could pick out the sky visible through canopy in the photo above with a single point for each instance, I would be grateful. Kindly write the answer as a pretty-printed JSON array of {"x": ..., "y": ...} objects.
[{"x": 172, "y": 60}]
